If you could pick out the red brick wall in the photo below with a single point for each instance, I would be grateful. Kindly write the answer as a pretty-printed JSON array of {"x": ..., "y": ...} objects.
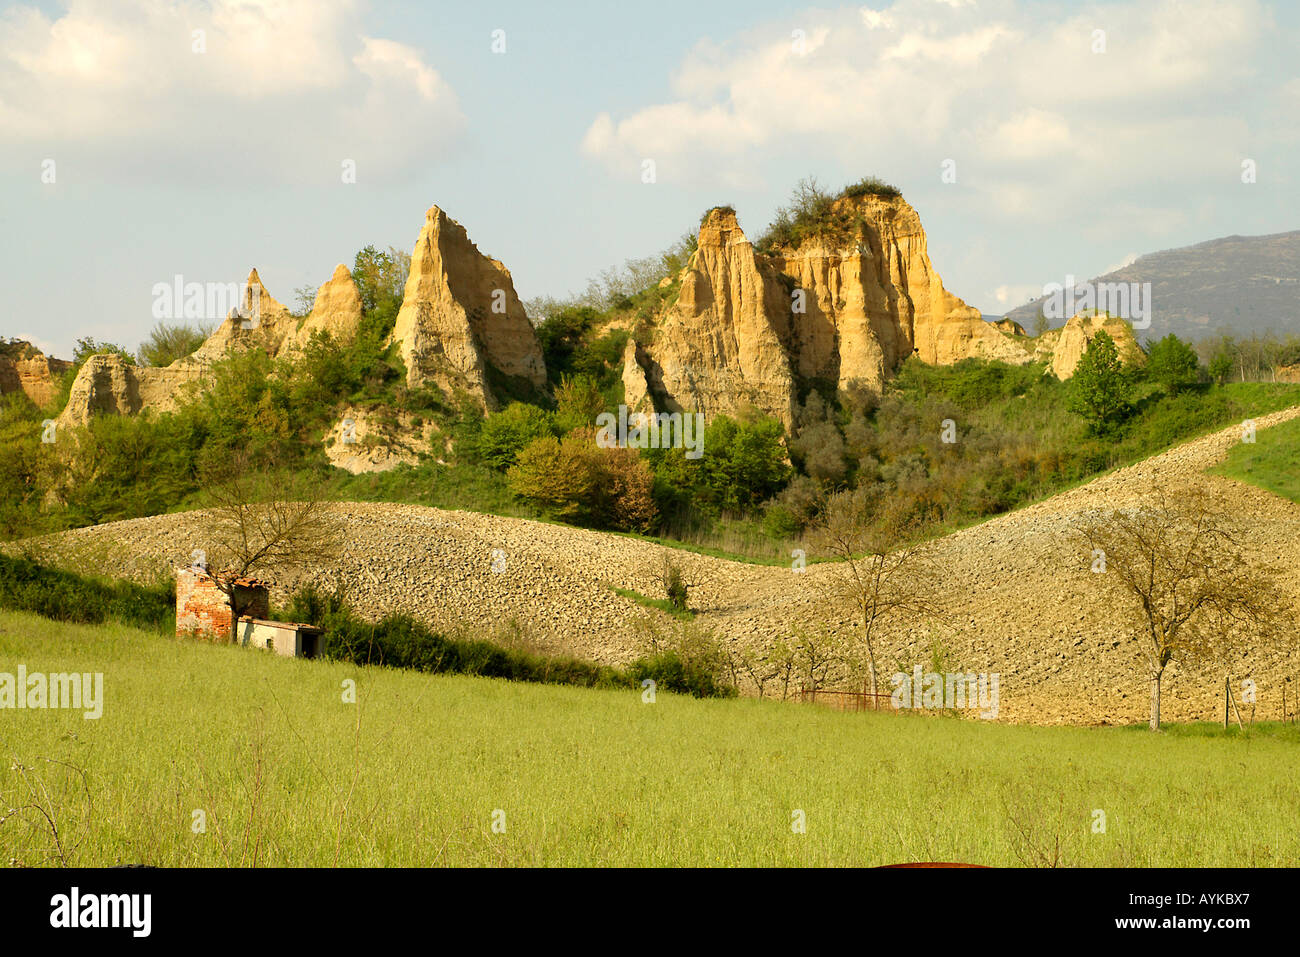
[{"x": 202, "y": 610}]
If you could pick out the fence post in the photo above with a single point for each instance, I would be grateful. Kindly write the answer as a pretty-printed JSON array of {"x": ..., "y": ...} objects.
[{"x": 1225, "y": 702}]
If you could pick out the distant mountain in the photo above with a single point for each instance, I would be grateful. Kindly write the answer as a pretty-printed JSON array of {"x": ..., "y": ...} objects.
[{"x": 1238, "y": 285}]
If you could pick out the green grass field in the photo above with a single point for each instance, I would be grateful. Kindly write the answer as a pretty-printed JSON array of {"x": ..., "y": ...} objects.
[
  {"x": 287, "y": 773},
  {"x": 1272, "y": 461}
]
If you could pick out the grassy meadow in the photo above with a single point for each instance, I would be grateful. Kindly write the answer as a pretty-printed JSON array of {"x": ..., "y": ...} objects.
[
  {"x": 1271, "y": 462},
  {"x": 287, "y": 773}
]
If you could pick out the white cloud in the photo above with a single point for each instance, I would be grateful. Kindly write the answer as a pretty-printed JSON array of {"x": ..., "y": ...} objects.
[
  {"x": 874, "y": 19},
  {"x": 960, "y": 49},
  {"x": 1032, "y": 134},
  {"x": 1011, "y": 296},
  {"x": 1011, "y": 90},
  {"x": 279, "y": 89}
]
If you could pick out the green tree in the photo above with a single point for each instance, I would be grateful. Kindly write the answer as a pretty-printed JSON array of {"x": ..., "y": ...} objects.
[
  {"x": 560, "y": 477},
  {"x": 561, "y": 335},
  {"x": 87, "y": 347},
  {"x": 24, "y": 471},
  {"x": 504, "y": 435},
  {"x": 1221, "y": 367},
  {"x": 744, "y": 463},
  {"x": 118, "y": 467},
  {"x": 1173, "y": 364},
  {"x": 1101, "y": 389},
  {"x": 167, "y": 343},
  {"x": 380, "y": 276},
  {"x": 741, "y": 465},
  {"x": 577, "y": 403}
]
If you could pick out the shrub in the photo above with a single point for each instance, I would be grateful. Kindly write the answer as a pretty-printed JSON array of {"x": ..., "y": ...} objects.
[
  {"x": 575, "y": 480},
  {"x": 400, "y": 641},
  {"x": 577, "y": 403},
  {"x": 811, "y": 212},
  {"x": 871, "y": 186},
  {"x": 65, "y": 596},
  {"x": 725, "y": 208},
  {"x": 674, "y": 585},
  {"x": 558, "y": 476},
  {"x": 167, "y": 343},
  {"x": 629, "y": 503},
  {"x": 1173, "y": 364},
  {"x": 561, "y": 335},
  {"x": 671, "y": 672},
  {"x": 505, "y": 434},
  {"x": 686, "y": 659}
]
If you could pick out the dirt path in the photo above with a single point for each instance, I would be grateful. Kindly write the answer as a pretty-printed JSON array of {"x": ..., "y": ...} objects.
[{"x": 1028, "y": 608}]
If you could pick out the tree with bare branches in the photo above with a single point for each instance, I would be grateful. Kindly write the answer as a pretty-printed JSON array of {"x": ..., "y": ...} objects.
[
  {"x": 260, "y": 524},
  {"x": 880, "y": 572},
  {"x": 1185, "y": 580}
]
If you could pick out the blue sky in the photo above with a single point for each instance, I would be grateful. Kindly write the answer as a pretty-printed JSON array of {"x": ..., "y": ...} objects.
[{"x": 1068, "y": 159}]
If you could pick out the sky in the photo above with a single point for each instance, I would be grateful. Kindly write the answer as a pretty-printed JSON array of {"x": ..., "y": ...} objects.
[{"x": 143, "y": 139}]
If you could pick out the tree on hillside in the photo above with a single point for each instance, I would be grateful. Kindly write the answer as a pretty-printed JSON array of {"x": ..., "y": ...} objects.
[
  {"x": 258, "y": 524},
  {"x": 305, "y": 299},
  {"x": 1101, "y": 389},
  {"x": 1185, "y": 582},
  {"x": 561, "y": 335},
  {"x": 1173, "y": 364},
  {"x": 381, "y": 276},
  {"x": 505, "y": 434},
  {"x": 87, "y": 346},
  {"x": 559, "y": 476},
  {"x": 577, "y": 403},
  {"x": 1221, "y": 366},
  {"x": 576, "y": 480},
  {"x": 884, "y": 584},
  {"x": 24, "y": 469},
  {"x": 167, "y": 343}
]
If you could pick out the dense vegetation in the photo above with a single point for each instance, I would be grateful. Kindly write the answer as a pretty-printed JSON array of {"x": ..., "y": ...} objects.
[
  {"x": 26, "y": 585},
  {"x": 813, "y": 212},
  {"x": 399, "y": 641}
]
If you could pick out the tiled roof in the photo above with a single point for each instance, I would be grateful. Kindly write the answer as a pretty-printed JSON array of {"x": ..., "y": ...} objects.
[{"x": 244, "y": 581}]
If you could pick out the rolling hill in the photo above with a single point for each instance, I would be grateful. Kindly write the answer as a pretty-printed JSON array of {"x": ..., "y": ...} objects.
[{"x": 1237, "y": 285}]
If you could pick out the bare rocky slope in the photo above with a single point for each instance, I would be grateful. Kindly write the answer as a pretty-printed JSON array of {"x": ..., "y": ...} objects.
[
  {"x": 1026, "y": 604},
  {"x": 24, "y": 368},
  {"x": 461, "y": 318}
]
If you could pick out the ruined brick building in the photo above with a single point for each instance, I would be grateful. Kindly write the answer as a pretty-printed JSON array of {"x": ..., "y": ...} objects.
[{"x": 203, "y": 612}]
